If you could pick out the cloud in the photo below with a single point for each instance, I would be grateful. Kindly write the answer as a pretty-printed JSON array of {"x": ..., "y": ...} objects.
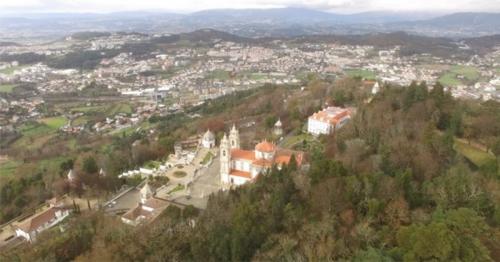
[{"x": 195, "y": 5}]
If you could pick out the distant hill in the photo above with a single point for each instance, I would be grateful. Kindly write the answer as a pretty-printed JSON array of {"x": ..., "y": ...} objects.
[
  {"x": 465, "y": 20},
  {"x": 454, "y": 25},
  {"x": 255, "y": 23},
  {"x": 202, "y": 35}
]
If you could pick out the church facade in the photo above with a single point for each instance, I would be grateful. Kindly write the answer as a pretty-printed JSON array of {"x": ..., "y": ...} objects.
[{"x": 239, "y": 166}]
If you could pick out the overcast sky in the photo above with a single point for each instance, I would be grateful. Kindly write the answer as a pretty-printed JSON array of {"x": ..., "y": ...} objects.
[{"x": 185, "y": 6}]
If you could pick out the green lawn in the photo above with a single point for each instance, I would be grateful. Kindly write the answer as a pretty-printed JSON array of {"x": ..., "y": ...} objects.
[
  {"x": 476, "y": 156},
  {"x": 119, "y": 108},
  {"x": 7, "y": 88},
  {"x": 179, "y": 187},
  {"x": 365, "y": 74},
  {"x": 451, "y": 78},
  {"x": 10, "y": 70},
  {"x": 54, "y": 122},
  {"x": 34, "y": 129},
  {"x": 207, "y": 158},
  {"x": 218, "y": 74},
  {"x": 291, "y": 141}
]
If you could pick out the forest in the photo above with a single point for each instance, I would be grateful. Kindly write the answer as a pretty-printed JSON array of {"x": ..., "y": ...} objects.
[{"x": 392, "y": 185}]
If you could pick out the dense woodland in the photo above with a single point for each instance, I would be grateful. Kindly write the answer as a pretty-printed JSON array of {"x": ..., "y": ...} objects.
[{"x": 389, "y": 186}]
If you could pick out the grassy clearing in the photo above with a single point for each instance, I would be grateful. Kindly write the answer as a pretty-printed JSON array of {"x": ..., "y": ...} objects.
[
  {"x": 34, "y": 129},
  {"x": 365, "y": 74},
  {"x": 119, "y": 108},
  {"x": 7, "y": 88},
  {"x": 54, "y": 122},
  {"x": 87, "y": 109},
  {"x": 476, "y": 156},
  {"x": 459, "y": 75},
  {"x": 218, "y": 74},
  {"x": 8, "y": 168}
]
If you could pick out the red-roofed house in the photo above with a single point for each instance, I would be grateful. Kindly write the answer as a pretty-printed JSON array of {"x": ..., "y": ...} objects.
[
  {"x": 30, "y": 227},
  {"x": 240, "y": 166}
]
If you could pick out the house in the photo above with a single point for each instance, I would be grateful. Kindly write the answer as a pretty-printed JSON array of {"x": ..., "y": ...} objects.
[
  {"x": 208, "y": 140},
  {"x": 328, "y": 120},
  {"x": 30, "y": 227},
  {"x": 238, "y": 166}
]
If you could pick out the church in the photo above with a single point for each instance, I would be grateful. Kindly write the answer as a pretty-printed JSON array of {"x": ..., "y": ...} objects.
[{"x": 238, "y": 166}]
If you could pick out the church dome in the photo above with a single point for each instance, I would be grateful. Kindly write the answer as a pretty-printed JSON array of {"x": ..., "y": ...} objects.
[{"x": 265, "y": 146}]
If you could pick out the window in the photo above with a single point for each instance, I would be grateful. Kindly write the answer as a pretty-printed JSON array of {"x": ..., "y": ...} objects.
[
  {"x": 232, "y": 142},
  {"x": 224, "y": 153}
]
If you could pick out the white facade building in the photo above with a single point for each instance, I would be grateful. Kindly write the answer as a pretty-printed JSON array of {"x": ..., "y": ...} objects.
[{"x": 326, "y": 121}]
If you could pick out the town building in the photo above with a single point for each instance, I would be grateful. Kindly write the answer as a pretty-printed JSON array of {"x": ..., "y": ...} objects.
[
  {"x": 328, "y": 120},
  {"x": 238, "y": 166}
]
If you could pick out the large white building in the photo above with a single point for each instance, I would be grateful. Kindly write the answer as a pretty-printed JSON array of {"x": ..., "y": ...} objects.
[
  {"x": 240, "y": 166},
  {"x": 328, "y": 120}
]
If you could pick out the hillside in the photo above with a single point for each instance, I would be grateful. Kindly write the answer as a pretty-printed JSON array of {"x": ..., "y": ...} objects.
[{"x": 392, "y": 185}]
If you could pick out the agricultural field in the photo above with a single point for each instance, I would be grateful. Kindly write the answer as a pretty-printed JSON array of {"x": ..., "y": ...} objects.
[
  {"x": 218, "y": 74},
  {"x": 7, "y": 88},
  {"x": 365, "y": 74},
  {"x": 460, "y": 75},
  {"x": 54, "y": 122}
]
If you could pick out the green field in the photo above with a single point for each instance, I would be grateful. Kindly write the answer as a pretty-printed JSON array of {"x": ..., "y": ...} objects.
[
  {"x": 8, "y": 167},
  {"x": 54, "y": 122},
  {"x": 119, "y": 108},
  {"x": 451, "y": 78},
  {"x": 218, "y": 74},
  {"x": 10, "y": 70},
  {"x": 476, "y": 156},
  {"x": 108, "y": 110},
  {"x": 365, "y": 74},
  {"x": 86, "y": 109},
  {"x": 7, "y": 88}
]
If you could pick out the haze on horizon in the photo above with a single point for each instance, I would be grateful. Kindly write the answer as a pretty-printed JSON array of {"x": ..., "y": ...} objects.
[{"x": 13, "y": 7}]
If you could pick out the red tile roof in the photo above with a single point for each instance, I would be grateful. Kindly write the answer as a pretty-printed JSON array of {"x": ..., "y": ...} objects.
[
  {"x": 134, "y": 213},
  {"x": 155, "y": 203},
  {"x": 265, "y": 146},
  {"x": 243, "y": 154},
  {"x": 38, "y": 220}
]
